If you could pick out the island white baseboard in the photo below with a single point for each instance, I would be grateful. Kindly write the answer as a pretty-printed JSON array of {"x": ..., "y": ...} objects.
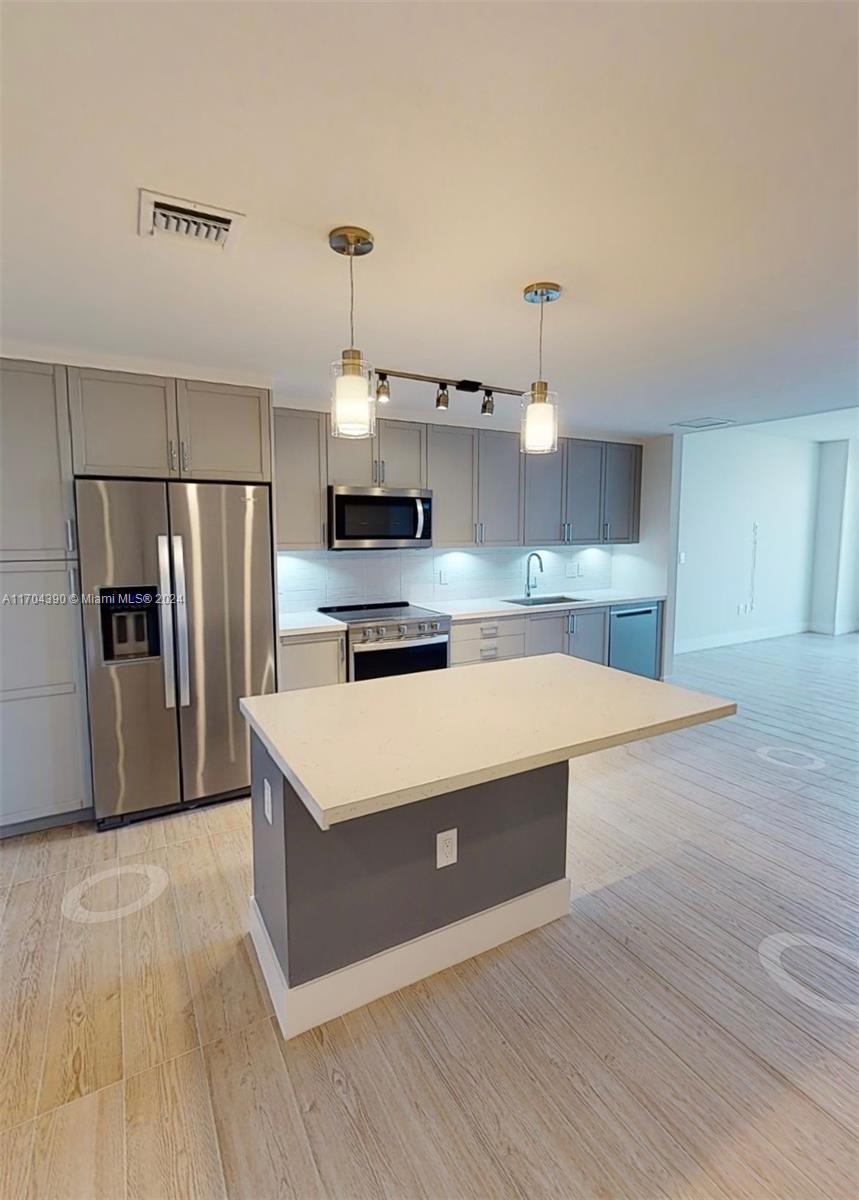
[{"x": 309, "y": 1004}]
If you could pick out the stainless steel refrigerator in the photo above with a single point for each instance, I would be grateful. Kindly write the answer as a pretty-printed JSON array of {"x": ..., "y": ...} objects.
[{"x": 176, "y": 583}]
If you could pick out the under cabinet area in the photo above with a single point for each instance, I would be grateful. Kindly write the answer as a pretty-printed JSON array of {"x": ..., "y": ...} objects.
[
  {"x": 314, "y": 660},
  {"x": 36, "y": 501},
  {"x": 149, "y": 426}
]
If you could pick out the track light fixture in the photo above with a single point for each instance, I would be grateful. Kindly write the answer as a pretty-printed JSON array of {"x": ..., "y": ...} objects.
[
  {"x": 487, "y": 408},
  {"x": 353, "y": 406},
  {"x": 442, "y": 399},
  {"x": 383, "y": 389}
]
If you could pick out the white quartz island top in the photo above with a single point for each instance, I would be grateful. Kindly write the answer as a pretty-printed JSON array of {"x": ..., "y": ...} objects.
[{"x": 360, "y": 748}]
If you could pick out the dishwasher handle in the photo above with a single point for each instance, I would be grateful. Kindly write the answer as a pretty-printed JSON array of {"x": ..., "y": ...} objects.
[{"x": 634, "y": 612}]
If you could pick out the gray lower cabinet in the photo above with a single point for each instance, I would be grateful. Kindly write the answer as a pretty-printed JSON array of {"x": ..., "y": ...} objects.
[
  {"x": 300, "y": 479},
  {"x": 621, "y": 492},
  {"x": 588, "y": 637},
  {"x": 546, "y": 633},
  {"x": 401, "y": 452},
  {"x": 545, "y": 518},
  {"x": 123, "y": 424},
  {"x": 452, "y": 476},
  {"x": 43, "y": 765},
  {"x": 224, "y": 432},
  {"x": 312, "y": 661},
  {"x": 499, "y": 488},
  {"x": 148, "y": 426},
  {"x": 583, "y": 491},
  {"x": 36, "y": 501}
]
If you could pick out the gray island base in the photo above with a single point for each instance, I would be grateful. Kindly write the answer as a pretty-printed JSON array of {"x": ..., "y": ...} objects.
[{"x": 351, "y": 901}]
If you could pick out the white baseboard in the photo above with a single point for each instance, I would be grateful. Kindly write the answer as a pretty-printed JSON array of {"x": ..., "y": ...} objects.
[
  {"x": 734, "y": 637},
  {"x": 301, "y": 1008}
]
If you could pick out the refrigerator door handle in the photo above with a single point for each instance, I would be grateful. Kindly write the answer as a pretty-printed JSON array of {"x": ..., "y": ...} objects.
[
  {"x": 181, "y": 621},
  {"x": 165, "y": 620}
]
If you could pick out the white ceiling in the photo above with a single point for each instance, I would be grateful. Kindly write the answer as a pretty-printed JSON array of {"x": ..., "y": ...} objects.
[{"x": 687, "y": 171}]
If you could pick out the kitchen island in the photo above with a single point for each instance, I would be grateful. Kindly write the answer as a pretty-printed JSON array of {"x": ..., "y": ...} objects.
[{"x": 363, "y": 794}]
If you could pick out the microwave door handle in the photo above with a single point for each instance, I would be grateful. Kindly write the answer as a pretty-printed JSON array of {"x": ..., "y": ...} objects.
[
  {"x": 420, "y": 530},
  {"x": 181, "y": 621},
  {"x": 165, "y": 620}
]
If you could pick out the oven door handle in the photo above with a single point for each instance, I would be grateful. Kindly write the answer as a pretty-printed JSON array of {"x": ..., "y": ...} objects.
[
  {"x": 398, "y": 645},
  {"x": 420, "y": 530}
]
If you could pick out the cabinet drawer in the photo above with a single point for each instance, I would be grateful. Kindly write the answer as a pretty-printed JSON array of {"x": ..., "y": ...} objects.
[
  {"x": 491, "y": 627},
  {"x": 488, "y": 649}
]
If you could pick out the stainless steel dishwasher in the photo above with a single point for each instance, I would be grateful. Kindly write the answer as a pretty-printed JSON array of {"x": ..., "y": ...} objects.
[{"x": 633, "y": 639}]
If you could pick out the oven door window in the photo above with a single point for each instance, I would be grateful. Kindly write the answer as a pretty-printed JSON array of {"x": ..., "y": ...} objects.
[
  {"x": 400, "y": 660},
  {"x": 390, "y": 518}
]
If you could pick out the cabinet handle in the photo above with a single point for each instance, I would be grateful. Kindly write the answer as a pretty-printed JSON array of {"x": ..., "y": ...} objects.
[
  {"x": 606, "y": 531},
  {"x": 573, "y": 624},
  {"x": 375, "y": 470},
  {"x": 72, "y": 580},
  {"x": 482, "y": 529},
  {"x": 488, "y": 651},
  {"x": 488, "y": 630},
  {"x": 186, "y": 456},
  {"x": 70, "y": 534},
  {"x": 171, "y": 451},
  {"x": 323, "y": 533},
  {"x": 382, "y": 468}
]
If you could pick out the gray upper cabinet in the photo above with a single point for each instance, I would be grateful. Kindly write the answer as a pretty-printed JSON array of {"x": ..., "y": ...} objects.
[
  {"x": 401, "y": 453},
  {"x": 352, "y": 461},
  {"x": 123, "y": 424},
  {"x": 583, "y": 506},
  {"x": 452, "y": 476},
  {"x": 589, "y": 634},
  {"x": 544, "y": 499},
  {"x": 622, "y": 491},
  {"x": 224, "y": 432},
  {"x": 36, "y": 502},
  {"x": 300, "y": 477},
  {"x": 499, "y": 488}
]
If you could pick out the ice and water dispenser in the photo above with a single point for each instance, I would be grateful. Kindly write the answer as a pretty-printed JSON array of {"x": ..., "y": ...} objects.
[{"x": 129, "y": 623}]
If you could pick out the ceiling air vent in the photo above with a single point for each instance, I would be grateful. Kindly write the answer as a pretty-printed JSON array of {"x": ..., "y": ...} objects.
[
  {"x": 187, "y": 219},
  {"x": 703, "y": 423}
]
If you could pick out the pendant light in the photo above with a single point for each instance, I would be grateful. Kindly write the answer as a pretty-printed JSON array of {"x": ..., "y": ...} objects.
[
  {"x": 353, "y": 405},
  {"x": 540, "y": 406}
]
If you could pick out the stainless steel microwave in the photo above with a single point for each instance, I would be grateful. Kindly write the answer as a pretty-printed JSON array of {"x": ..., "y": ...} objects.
[{"x": 374, "y": 518}]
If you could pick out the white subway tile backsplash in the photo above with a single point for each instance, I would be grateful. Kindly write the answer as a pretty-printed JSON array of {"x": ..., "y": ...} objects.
[{"x": 313, "y": 578}]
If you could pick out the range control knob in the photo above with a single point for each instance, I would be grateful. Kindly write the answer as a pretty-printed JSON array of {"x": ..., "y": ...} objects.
[
  {"x": 382, "y": 631},
  {"x": 402, "y": 630},
  {"x": 435, "y": 626},
  {"x": 370, "y": 634},
  {"x": 423, "y": 627}
]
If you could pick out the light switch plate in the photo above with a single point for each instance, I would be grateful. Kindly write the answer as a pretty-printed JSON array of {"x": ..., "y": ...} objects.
[
  {"x": 266, "y": 799},
  {"x": 445, "y": 848}
]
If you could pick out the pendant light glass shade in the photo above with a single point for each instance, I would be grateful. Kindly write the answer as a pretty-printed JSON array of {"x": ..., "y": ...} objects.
[
  {"x": 539, "y": 420},
  {"x": 353, "y": 404}
]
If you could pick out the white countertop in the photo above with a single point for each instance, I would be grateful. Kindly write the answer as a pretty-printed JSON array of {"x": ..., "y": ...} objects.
[
  {"x": 465, "y": 610},
  {"x": 310, "y": 621},
  {"x": 295, "y": 624},
  {"x": 359, "y": 748}
]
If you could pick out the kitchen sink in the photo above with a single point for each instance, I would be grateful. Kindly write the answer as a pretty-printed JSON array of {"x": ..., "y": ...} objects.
[{"x": 534, "y": 601}]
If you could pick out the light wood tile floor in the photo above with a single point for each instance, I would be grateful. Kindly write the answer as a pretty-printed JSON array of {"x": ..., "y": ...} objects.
[{"x": 637, "y": 1049}]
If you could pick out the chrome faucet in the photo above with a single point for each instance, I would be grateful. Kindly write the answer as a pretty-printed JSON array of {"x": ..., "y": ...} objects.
[{"x": 529, "y": 586}]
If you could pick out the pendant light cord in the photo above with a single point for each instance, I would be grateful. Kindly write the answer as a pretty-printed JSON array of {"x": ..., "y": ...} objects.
[
  {"x": 540, "y": 350},
  {"x": 352, "y": 300}
]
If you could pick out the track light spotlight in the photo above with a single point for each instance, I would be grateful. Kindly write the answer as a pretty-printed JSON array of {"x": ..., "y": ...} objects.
[
  {"x": 383, "y": 390},
  {"x": 442, "y": 399},
  {"x": 487, "y": 408}
]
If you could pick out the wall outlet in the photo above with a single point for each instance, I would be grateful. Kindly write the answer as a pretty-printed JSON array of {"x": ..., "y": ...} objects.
[
  {"x": 266, "y": 799},
  {"x": 682, "y": 557},
  {"x": 442, "y": 576},
  {"x": 445, "y": 848}
]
